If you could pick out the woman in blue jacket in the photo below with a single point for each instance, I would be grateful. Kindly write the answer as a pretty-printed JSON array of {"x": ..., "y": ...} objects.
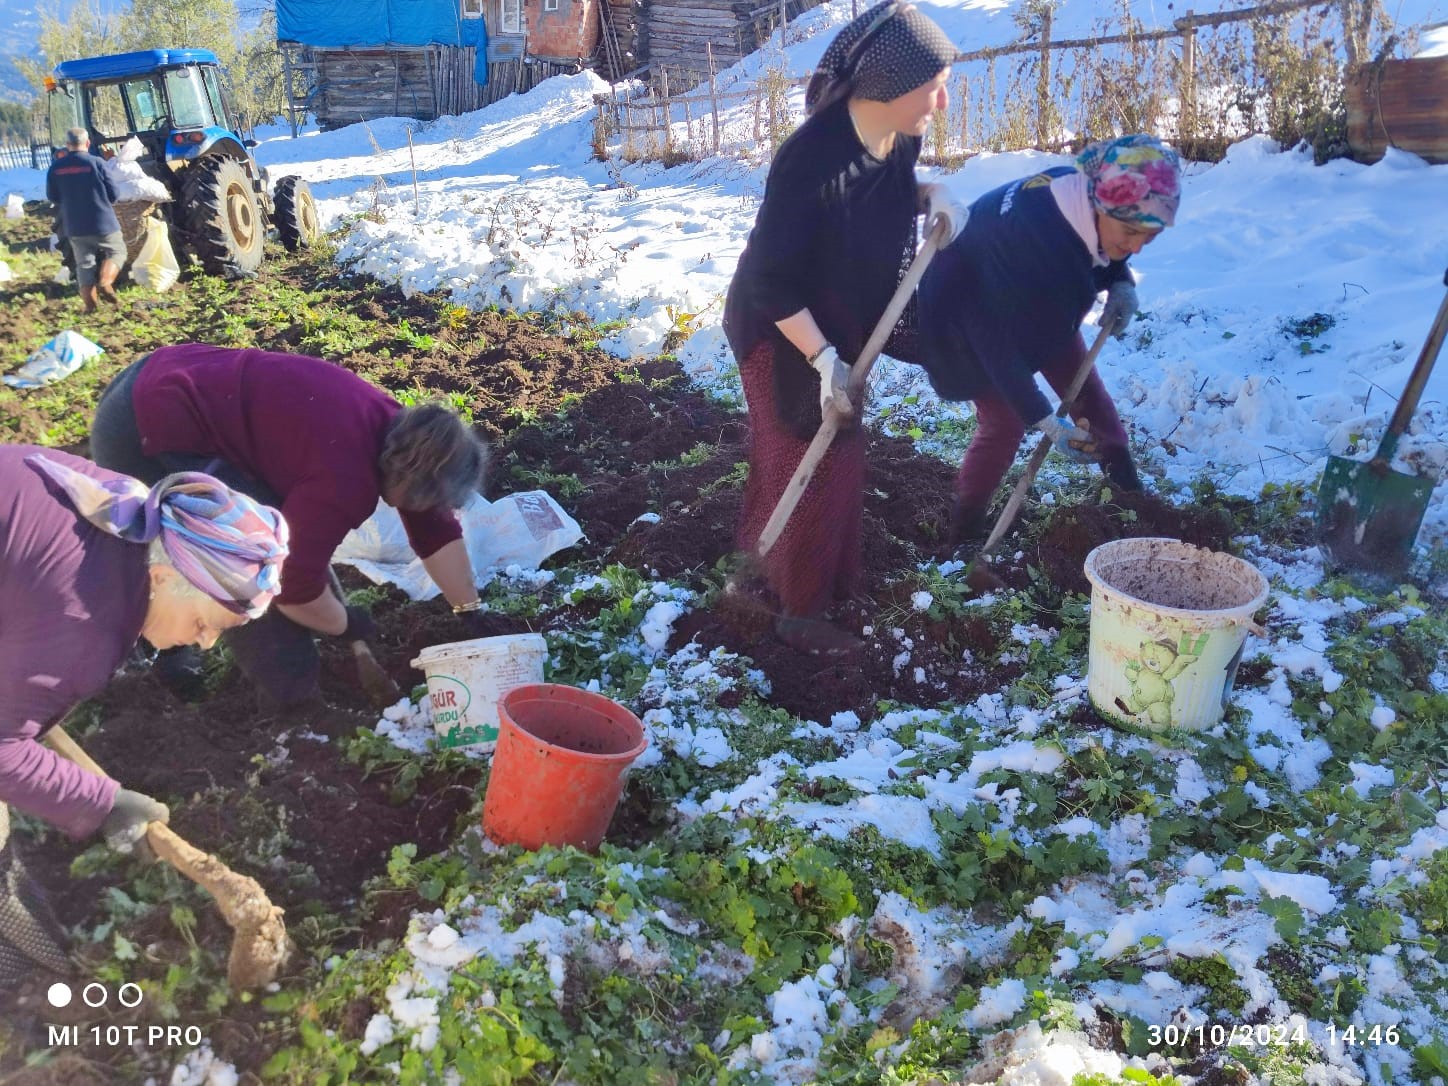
[{"x": 1006, "y": 299}]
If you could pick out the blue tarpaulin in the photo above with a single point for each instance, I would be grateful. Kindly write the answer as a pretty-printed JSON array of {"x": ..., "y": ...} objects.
[{"x": 380, "y": 23}]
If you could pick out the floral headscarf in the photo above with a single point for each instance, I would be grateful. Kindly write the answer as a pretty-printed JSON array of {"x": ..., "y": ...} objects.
[
  {"x": 225, "y": 544},
  {"x": 1136, "y": 179}
]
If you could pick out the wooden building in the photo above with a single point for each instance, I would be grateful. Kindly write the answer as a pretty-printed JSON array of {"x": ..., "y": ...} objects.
[
  {"x": 353, "y": 60},
  {"x": 1399, "y": 103}
]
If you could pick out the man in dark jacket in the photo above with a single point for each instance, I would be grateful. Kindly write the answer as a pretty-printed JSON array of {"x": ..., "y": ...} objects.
[{"x": 78, "y": 185}]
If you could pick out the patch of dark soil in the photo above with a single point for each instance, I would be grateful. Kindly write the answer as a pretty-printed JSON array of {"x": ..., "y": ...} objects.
[
  {"x": 1074, "y": 531},
  {"x": 907, "y": 655}
]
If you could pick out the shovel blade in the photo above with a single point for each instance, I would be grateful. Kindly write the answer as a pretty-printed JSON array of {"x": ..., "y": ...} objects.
[{"x": 1367, "y": 519}]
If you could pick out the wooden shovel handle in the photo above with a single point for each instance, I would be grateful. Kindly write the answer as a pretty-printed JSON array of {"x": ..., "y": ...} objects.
[
  {"x": 1013, "y": 505},
  {"x": 859, "y": 374},
  {"x": 1417, "y": 381}
]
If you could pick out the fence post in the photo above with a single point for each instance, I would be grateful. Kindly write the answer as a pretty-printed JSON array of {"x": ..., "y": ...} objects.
[
  {"x": 668, "y": 119},
  {"x": 1043, "y": 85},
  {"x": 1352, "y": 31},
  {"x": 713, "y": 93},
  {"x": 963, "y": 95},
  {"x": 1187, "y": 79}
]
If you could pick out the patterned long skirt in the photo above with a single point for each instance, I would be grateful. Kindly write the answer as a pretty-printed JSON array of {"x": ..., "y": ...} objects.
[{"x": 817, "y": 558}]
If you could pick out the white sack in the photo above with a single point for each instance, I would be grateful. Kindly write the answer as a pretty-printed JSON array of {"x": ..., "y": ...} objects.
[{"x": 517, "y": 530}]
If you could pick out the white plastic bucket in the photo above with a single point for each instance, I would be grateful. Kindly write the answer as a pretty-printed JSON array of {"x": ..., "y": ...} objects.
[
  {"x": 1168, "y": 624},
  {"x": 465, "y": 679}
]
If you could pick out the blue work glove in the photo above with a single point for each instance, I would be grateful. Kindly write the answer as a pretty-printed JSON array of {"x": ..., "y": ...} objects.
[
  {"x": 1072, "y": 441},
  {"x": 1121, "y": 305},
  {"x": 834, "y": 382}
]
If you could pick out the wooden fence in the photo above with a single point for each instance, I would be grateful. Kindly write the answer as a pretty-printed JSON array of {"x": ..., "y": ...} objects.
[
  {"x": 1047, "y": 93},
  {"x": 24, "y": 156}
]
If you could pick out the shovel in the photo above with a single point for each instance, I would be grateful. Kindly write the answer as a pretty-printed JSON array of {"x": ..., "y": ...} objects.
[
  {"x": 1367, "y": 514},
  {"x": 259, "y": 946},
  {"x": 859, "y": 374},
  {"x": 1018, "y": 496}
]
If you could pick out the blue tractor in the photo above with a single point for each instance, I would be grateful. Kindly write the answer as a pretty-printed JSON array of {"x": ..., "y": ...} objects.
[{"x": 175, "y": 102}]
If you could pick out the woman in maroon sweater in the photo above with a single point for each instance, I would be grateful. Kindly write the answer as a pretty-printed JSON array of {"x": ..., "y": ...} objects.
[
  {"x": 90, "y": 561},
  {"x": 322, "y": 444},
  {"x": 834, "y": 234}
]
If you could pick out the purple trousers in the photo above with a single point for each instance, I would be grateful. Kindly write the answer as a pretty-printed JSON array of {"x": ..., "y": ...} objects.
[{"x": 999, "y": 429}]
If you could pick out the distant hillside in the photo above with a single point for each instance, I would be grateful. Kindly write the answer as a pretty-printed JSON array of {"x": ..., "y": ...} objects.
[{"x": 23, "y": 19}]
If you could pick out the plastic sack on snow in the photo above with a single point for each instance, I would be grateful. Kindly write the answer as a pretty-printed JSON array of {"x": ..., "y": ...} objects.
[
  {"x": 59, "y": 358},
  {"x": 15, "y": 206},
  {"x": 155, "y": 266},
  {"x": 520, "y": 529}
]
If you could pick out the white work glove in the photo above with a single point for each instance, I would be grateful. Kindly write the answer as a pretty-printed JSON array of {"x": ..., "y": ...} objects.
[
  {"x": 125, "y": 827},
  {"x": 938, "y": 201},
  {"x": 834, "y": 382},
  {"x": 1120, "y": 308},
  {"x": 1072, "y": 441}
]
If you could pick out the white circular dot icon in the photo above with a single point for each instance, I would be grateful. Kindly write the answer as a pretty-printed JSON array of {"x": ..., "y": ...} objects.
[{"x": 59, "y": 994}]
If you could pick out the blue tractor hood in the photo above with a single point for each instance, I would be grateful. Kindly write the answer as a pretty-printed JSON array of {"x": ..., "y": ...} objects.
[{"x": 121, "y": 65}]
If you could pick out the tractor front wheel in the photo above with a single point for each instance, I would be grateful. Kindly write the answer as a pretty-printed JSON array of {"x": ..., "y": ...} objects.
[
  {"x": 295, "y": 214},
  {"x": 224, "y": 218}
]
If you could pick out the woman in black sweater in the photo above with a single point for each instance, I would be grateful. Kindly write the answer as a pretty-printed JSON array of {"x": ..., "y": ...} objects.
[{"x": 833, "y": 237}]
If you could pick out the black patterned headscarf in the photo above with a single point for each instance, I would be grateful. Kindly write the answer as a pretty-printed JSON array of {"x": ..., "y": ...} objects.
[{"x": 886, "y": 51}]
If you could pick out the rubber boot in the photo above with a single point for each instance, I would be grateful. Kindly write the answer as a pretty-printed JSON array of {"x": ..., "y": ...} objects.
[
  {"x": 815, "y": 636},
  {"x": 1120, "y": 471},
  {"x": 969, "y": 525},
  {"x": 107, "y": 279}
]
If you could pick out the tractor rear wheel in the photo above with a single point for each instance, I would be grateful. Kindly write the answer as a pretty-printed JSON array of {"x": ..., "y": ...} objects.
[
  {"x": 224, "y": 218},
  {"x": 296, "y": 214}
]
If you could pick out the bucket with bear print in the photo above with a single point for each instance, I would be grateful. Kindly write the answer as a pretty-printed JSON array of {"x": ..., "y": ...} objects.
[{"x": 1169, "y": 621}]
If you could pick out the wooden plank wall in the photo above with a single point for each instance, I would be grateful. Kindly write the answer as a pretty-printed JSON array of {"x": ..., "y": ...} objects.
[
  {"x": 674, "y": 32},
  {"x": 426, "y": 82},
  {"x": 360, "y": 84},
  {"x": 1399, "y": 103}
]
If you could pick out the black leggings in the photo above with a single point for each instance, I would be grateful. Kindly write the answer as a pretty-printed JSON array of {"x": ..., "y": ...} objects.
[{"x": 278, "y": 655}]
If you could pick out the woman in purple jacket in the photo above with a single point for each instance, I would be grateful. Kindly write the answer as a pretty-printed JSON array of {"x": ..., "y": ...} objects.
[{"x": 91, "y": 561}]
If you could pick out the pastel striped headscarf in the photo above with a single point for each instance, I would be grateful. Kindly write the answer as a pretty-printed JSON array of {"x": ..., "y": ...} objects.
[
  {"x": 224, "y": 543},
  {"x": 1137, "y": 179}
]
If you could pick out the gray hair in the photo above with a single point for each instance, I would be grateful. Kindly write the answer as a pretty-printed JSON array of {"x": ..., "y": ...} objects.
[
  {"x": 431, "y": 458},
  {"x": 77, "y": 137},
  {"x": 156, "y": 556}
]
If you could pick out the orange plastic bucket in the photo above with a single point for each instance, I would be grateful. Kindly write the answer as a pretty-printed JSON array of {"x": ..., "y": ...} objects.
[{"x": 559, "y": 767}]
